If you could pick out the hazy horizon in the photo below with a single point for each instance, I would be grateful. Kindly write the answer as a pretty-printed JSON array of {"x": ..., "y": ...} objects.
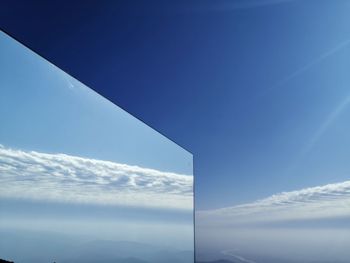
[{"x": 306, "y": 225}]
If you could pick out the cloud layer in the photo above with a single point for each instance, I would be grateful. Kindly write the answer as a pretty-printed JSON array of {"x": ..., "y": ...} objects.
[
  {"x": 65, "y": 178},
  {"x": 322, "y": 202}
]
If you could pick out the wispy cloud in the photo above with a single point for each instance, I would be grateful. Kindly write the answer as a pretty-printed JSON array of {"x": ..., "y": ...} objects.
[
  {"x": 338, "y": 110},
  {"x": 321, "y": 202},
  {"x": 315, "y": 61},
  {"x": 66, "y": 178}
]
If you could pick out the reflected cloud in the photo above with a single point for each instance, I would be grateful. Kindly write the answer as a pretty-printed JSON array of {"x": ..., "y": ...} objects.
[{"x": 65, "y": 178}]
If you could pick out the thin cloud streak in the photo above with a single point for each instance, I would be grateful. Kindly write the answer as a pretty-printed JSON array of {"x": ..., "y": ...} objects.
[
  {"x": 72, "y": 179},
  {"x": 325, "y": 125},
  {"x": 311, "y": 64},
  {"x": 321, "y": 202}
]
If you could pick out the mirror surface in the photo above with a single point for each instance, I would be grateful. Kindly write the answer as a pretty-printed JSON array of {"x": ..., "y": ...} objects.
[{"x": 81, "y": 180}]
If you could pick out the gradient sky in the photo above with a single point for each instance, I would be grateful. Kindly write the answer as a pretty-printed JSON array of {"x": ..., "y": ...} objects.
[{"x": 257, "y": 90}]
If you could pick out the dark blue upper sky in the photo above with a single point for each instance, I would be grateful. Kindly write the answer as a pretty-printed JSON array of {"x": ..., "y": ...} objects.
[{"x": 256, "y": 90}]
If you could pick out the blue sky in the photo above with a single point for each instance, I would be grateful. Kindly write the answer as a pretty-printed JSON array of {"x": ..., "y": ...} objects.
[
  {"x": 247, "y": 86},
  {"x": 258, "y": 91},
  {"x": 46, "y": 110}
]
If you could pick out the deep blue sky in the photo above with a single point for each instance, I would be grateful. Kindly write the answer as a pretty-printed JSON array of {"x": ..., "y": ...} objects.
[{"x": 256, "y": 90}]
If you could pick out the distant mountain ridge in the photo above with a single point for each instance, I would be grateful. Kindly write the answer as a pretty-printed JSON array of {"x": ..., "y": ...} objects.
[
  {"x": 216, "y": 261},
  {"x": 64, "y": 249},
  {"x": 5, "y": 261},
  {"x": 105, "y": 251}
]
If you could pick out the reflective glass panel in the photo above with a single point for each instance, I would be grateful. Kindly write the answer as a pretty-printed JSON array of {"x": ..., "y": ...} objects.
[{"x": 81, "y": 180}]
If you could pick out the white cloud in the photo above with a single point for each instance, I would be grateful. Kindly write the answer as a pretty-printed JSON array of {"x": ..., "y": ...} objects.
[
  {"x": 321, "y": 202},
  {"x": 65, "y": 178}
]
